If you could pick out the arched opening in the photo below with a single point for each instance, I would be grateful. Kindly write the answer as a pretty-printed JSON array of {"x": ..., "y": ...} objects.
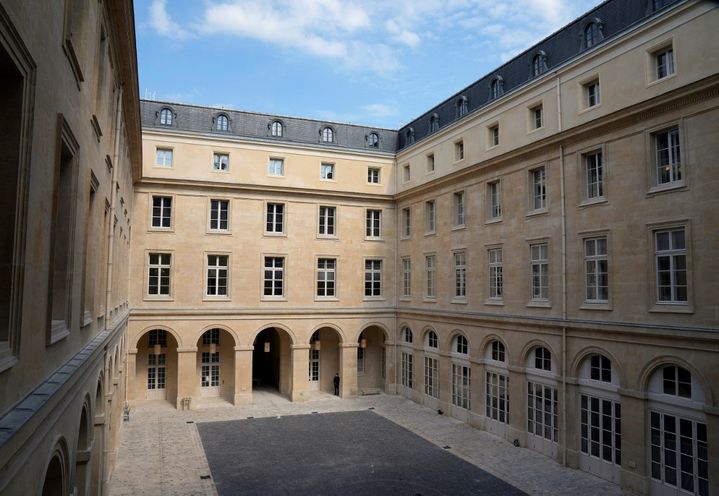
[
  {"x": 431, "y": 369},
  {"x": 83, "y": 453},
  {"x": 54, "y": 484},
  {"x": 216, "y": 364},
  {"x": 324, "y": 359},
  {"x": 371, "y": 360},
  {"x": 156, "y": 367},
  {"x": 542, "y": 401},
  {"x": 272, "y": 361},
  {"x": 461, "y": 378},
  {"x": 98, "y": 445},
  {"x": 497, "y": 388}
]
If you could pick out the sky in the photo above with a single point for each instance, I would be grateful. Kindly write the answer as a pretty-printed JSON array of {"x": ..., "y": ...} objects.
[{"x": 373, "y": 62}]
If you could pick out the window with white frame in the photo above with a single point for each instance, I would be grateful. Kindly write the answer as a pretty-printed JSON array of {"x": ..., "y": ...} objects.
[
  {"x": 221, "y": 162},
  {"x": 497, "y": 351},
  {"x": 496, "y": 87},
  {"x": 434, "y": 123},
  {"x": 275, "y": 218},
  {"x": 409, "y": 137},
  {"x": 676, "y": 381},
  {"x": 406, "y": 277},
  {"x": 668, "y": 156},
  {"x": 373, "y": 277},
  {"x": 494, "y": 195},
  {"x": 326, "y": 276},
  {"x": 679, "y": 453},
  {"x": 217, "y": 273},
  {"x": 407, "y": 370},
  {"x": 406, "y": 173},
  {"x": 430, "y": 267},
  {"x": 591, "y": 94},
  {"x": 328, "y": 135},
  {"x": 276, "y": 167},
  {"x": 327, "y": 172},
  {"x": 274, "y": 276},
  {"x": 326, "y": 225},
  {"x": 459, "y": 151},
  {"x": 671, "y": 265},
  {"x": 222, "y": 123},
  {"x": 460, "y": 274},
  {"x": 432, "y": 339},
  {"x": 373, "y": 227},
  {"x": 406, "y": 222},
  {"x": 166, "y": 117},
  {"x": 496, "y": 282},
  {"x": 497, "y": 397},
  {"x": 373, "y": 175},
  {"x": 600, "y": 424},
  {"x": 460, "y": 345},
  {"x": 462, "y": 106},
  {"x": 407, "y": 335},
  {"x": 163, "y": 157},
  {"x": 596, "y": 270},
  {"x": 540, "y": 271},
  {"x": 211, "y": 337},
  {"x": 157, "y": 336},
  {"x": 219, "y": 215},
  {"x": 494, "y": 135},
  {"x": 430, "y": 163},
  {"x": 429, "y": 216},
  {"x": 431, "y": 377},
  {"x": 664, "y": 62},
  {"x": 156, "y": 371},
  {"x": 592, "y": 34},
  {"x": 542, "y": 359},
  {"x": 458, "y": 208},
  {"x": 161, "y": 211},
  {"x": 537, "y": 117},
  {"x": 539, "y": 63},
  {"x": 360, "y": 360},
  {"x": 373, "y": 140},
  {"x": 158, "y": 283},
  {"x": 542, "y": 411},
  {"x": 461, "y": 378},
  {"x": 276, "y": 129},
  {"x": 594, "y": 175},
  {"x": 538, "y": 180},
  {"x": 600, "y": 368}
]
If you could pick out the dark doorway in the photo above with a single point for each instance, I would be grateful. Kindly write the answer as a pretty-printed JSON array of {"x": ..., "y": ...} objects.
[{"x": 266, "y": 360}]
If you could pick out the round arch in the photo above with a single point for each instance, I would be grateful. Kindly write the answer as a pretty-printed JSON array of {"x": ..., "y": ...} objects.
[
  {"x": 198, "y": 335},
  {"x": 336, "y": 328},
  {"x": 453, "y": 334},
  {"x": 55, "y": 472},
  {"x": 387, "y": 334},
  {"x": 584, "y": 353},
  {"x": 99, "y": 404},
  {"x": 423, "y": 333},
  {"x": 399, "y": 338},
  {"x": 650, "y": 367},
  {"x": 147, "y": 329},
  {"x": 293, "y": 338},
  {"x": 534, "y": 343}
]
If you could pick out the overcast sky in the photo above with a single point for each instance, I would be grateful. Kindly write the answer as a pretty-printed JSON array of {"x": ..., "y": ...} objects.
[{"x": 372, "y": 62}]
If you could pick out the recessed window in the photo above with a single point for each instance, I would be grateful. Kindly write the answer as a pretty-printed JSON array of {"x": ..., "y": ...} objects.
[
  {"x": 326, "y": 277},
  {"x": 373, "y": 140},
  {"x": 536, "y": 115},
  {"x": 542, "y": 359},
  {"x": 594, "y": 175},
  {"x": 434, "y": 123},
  {"x": 497, "y": 351},
  {"x": 409, "y": 136},
  {"x": 373, "y": 277},
  {"x": 592, "y": 96},
  {"x": 493, "y": 135},
  {"x": 222, "y": 123},
  {"x": 217, "y": 274},
  {"x": 406, "y": 175},
  {"x": 496, "y": 282},
  {"x": 275, "y": 218},
  {"x": 276, "y": 129},
  {"x": 274, "y": 276},
  {"x": 430, "y": 267},
  {"x": 460, "y": 345},
  {"x": 407, "y": 336},
  {"x": 166, "y": 117},
  {"x": 538, "y": 181},
  {"x": 163, "y": 157},
  {"x": 540, "y": 271},
  {"x": 326, "y": 225},
  {"x": 373, "y": 224},
  {"x": 327, "y": 172},
  {"x": 221, "y": 162},
  {"x": 593, "y": 33},
  {"x": 432, "y": 340},
  {"x": 668, "y": 156},
  {"x": 671, "y": 266},
  {"x": 219, "y": 215},
  {"x": 539, "y": 63},
  {"x": 161, "y": 211},
  {"x": 407, "y": 368},
  {"x": 494, "y": 195},
  {"x": 664, "y": 62},
  {"x": 373, "y": 176},
  {"x": 458, "y": 208},
  {"x": 158, "y": 283},
  {"x": 677, "y": 381},
  {"x": 459, "y": 150},
  {"x": 462, "y": 106},
  {"x": 276, "y": 167},
  {"x": 596, "y": 270},
  {"x": 430, "y": 216},
  {"x": 328, "y": 135},
  {"x": 496, "y": 87},
  {"x": 430, "y": 163},
  {"x": 406, "y": 222},
  {"x": 460, "y": 274},
  {"x": 406, "y": 277},
  {"x": 600, "y": 368},
  {"x": 461, "y": 383}
]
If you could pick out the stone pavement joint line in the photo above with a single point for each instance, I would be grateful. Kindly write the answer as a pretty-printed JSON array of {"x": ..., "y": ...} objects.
[{"x": 161, "y": 453}]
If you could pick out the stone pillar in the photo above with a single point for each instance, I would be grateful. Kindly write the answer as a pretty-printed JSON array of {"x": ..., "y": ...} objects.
[
  {"x": 573, "y": 438},
  {"x": 517, "y": 428},
  {"x": 243, "y": 375},
  {"x": 634, "y": 442},
  {"x": 712, "y": 423},
  {"x": 391, "y": 368},
  {"x": 186, "y": 374},
  {"x": 131, "y": 371},
  {"x": 477, "y": 395},
  {"x": 348, "y": 370},
  {"x": 300, "y": 372}
]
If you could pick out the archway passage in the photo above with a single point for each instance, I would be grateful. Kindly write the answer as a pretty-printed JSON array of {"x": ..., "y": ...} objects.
[
  {"x": 324, "y": 360},
  {"x": 371, "y": 360},
  {"x": 271, "y": 360},
  {"x": 156, "y": 367},
  {"x": 215, "y": 365},
  {"x": 54, "y": 484}
]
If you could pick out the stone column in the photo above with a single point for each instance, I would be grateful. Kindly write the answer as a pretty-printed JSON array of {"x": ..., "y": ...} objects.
[
  {"x": 243, "y": 375},
  {"x": 348, "y": 370},
  {"x": 131, "y": 371},
  {"x": 186, "y": 374},
  {"x": 391, "y": 368},
  {"x": 517, "y": 428},
  {"x": 300, "y": 372},
  {"x": 477, "y": 394},
  {"x": 573, "y": 409},
  {"x": 634, "y": 442}
]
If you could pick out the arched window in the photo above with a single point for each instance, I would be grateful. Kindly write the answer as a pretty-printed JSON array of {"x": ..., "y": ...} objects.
[
  {"x": 676, "y": 381},
  {"x": 539, "y": 63},
  {"x": 410, "y": 136},
  {"x": 542, "y": 359},
  {"x": 593, "y": 33},
  {"x": 600, "y": 368},
  {"x": 222, "y": 123},
  {"x": 166, "y": 117},
  {"x": 462, "y": 106},
  {"x": 460, "y": 345},
  {"x": 434, "y": 123},
  {"x": 432, "y": 341},
  {"x": 497, "y": 352},
  {"x": 373, "y": 140},
  {"x": 276, "y": 129},
  {"x": 328, "y": 135},
  {"x": 496, "y": 88},
  {"x": 407, "y": 335}
]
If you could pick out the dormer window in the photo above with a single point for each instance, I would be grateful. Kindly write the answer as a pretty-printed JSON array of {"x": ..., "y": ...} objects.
[
  {"x": 462, "y": 106},
  {"x": 496, "y": 88},
  {"x": 434, "y": 123},
  {"x": 373, "y": 140},
  {"x": 166, "y": 117},
  {"x": 593, "y": 33},
  {"x": 410, "y": 136},
  {"x": 222, "y": 123},
  {"x": 539, "y": 63},
  {"x": 328, "y": 135},
  {"x": 276, "y": 129}
]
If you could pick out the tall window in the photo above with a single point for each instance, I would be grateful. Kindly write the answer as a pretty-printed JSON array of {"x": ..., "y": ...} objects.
[
  {"x": 373, "y": 277},
  {"x": 406, "y": 222},
  {"x": 495, "y": 199},
  {"x": 159, "y": 274},
  {"x": 461, "y": 377},
  {"x": 538, "y": 179},
  {"x": 407, "y": 370},
  {"x": 434, "y": 123},
  {"x": 542, "y": 411},
  {"x": 668, "y": 156},
  {"x": 494, "y": 135},
  {"x": 276, "y": 129},
  {"x": 600, "y": 368},
  {"x": 596, "y": 270},
  {"x": 458, "y": 204},
  {"x": 432, "y": 339},
  {"x": 326, "y": 276},
  {"x": 219, "y": 215},
  {"x": 373, "y": 227},
  {"x": 497, "y": 398},
  {"x": 671, "y": 262},
  {"x": 217, "y": 271},
  {"x": 462, "y": 106},
  {"x": 156, "y": 371},
  {"x": 327, "y": 172},
  {"x": 460, "y": 345},
  {"x": 539, "y": 64},
  {"x": 537, "y": 116},
  {"x": 496, "y": 283},
  {"x": 360, "y": 360},
  {"x": 406, "y": 277},
  {"x": 430, "y": 216},
  {"x": 166, "y": 117},
  {"x": 161, "y": 211},
  {"x": 373, "y": 140},
  {"x": 430, "y": 163},
  {"x": 594, "y": 170},
  {"x": 497, "y": 351},
  {"x": 406, "y": 173},
  {"x": 223, "y": 123},
  {"x": 373, "y": 175},
  {"x": 496, "y": 87},
  {"x": 163, "y": 157},
  {"x": 431, "y": 377},
  {"x": 591, "y": 92},
  {"x": 592, "y": 34},
  {"x": 276, "y": 167},
  {"x": 221, "y": 162},
  {"x": 679, "y": 453},
  {"x": 540, "y": 271},
  {"x": 459, "y": 150},
  {"x": 327, "y": 221},
  {"x": 430, "y": 267},
  {"x": 407, "y": 335},
  {"x": 274, "y": 277},
  {"x": 664, "y": 62},
  {"x": 460, "y": 274},
  {"x": 328, "y": 135},
  {"x": 275, "y": 218},
  {"x": 410, "y": 136},
  {"x": 542, "y": 359}
]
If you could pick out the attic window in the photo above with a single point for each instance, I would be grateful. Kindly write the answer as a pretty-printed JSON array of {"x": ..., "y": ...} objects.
[
  {"x": 496, "y": 88},
  {"x": 166, "y": 117},
  {"x": 373, "y": 140},
  {"x": 462, "y": 106}
]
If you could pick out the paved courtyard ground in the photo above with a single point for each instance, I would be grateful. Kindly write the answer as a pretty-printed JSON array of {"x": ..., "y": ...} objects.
[{"x": 161, "y": 450}]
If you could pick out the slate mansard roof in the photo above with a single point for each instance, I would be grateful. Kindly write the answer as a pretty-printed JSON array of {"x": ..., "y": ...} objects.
[{"x": 258, "y": 126}]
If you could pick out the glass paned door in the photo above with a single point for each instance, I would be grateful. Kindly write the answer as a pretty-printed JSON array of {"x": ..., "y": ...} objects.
[
  {"x": 156, "y": 376},
  {"x": 601, "y": 437},
  {"x": 314, "y": 371},
  {"x": 210, "y": 373}
]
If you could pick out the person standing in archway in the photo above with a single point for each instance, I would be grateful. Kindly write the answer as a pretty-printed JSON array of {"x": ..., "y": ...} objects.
[{"x": 336, "y": 382}]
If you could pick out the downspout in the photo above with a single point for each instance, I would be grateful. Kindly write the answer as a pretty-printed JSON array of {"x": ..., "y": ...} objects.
[
  {"x": 564, "y": 278},
  {"x": 397, "y": 283}
]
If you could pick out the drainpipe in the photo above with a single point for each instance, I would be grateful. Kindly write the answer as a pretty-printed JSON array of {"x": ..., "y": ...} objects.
[
  {"x": 396, "y": 270},
  {"x": 564, "y": 279}
]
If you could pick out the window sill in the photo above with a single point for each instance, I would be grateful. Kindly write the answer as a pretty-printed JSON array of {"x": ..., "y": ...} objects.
[
  {"x": 459, "y": 227},
  {"x": 216, "y": 298},
  {"x": 326, "y": 298},
  {"x": 374, "y": 240},
  {"x": 158, "y": 298},
  {"x": 666, "y": 188},
  {"x": 497, "y": 302},
  {"x": 374, "y": 184},
  {"x": 458, "y": 161},
  {"x": 58, "y": 331},
  {"x": 429, "y": 173},
  {"x": 161, "y": 230},
  {"x": 672, "y": 308},
  {"x": 602, "y": 306},
  {"x": 219, "y": 171},
  {"x": 274, "y": 235},
  {"x": 539, "y": 211},
  {"x": 493, "y": 220},
  {"x": 328, "y": 180},
  {"x": 539, "y": 304},
  {"x": 405, "y": 298},
  {"x": 492, "y": 147},
  {"x": 405, "y": 238},
  {"x": 273, "y": 298},
  {"x": 224, "y": 232},
  {"x": 330, "y": 237},
  {"x": 430, "y": 233},
  {"x": 661, "y": 80},
  {"x": 535, "y": 130},
  {"x": 589, "y": 109},
  {"x": 276, "y": 176},
  {"x": 593, "y": 202},
  {"x": 459, "y": 301},
  {"x": 87, "y": 319},
  {"x": 373, "y": 298},
  {"x": 429, "y": 299},
  {"x": 7, "y": 359},
  {"x": 156, "y": 166}
]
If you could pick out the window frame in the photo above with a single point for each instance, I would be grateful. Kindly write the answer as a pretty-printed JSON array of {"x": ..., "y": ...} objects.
[
  {"x": 373, "y": 224},
  {"x": 374, "y": 173},
  {"x": 283, "y": 231},
  {"x": 494, "y": 208},
  {"x": 147, "y": 295},
  {"x": 273, "y": 161},
  {"x": 277, "y": 129},
  {"x": 459, "y": 209},
  {"x": 430, "y": 167},
  {"x": 222, "y": 118},
  {"x": 591, "y": 94},
  {"x": 334, "y": 271},
  {"x": 493, "y": 138},
  {"x": 327, "y": 134},
  {"x": 595, "y": 259},
  {"x": 328, "y": 172},
  {"x": 220, "y": 155},
  {"x": 537, "y": 187},
  {"x": 219, "y": 230},
  {"x": 320, "y": 218},
  {"x": 406, "y": 222},
  {"x": 544, "y": 268},
  {"x": 217, "y": 268},
  {"x": 459, "y": 150},
  {"x": 380, "y": 278},
  {"x": 430, "y": 276},
  {"x": 274, "y": 269},
  {"x": 406, "y": 277},
  {"x": 158, "y": 150},
  {"x": 430, "y": 217},
  {"x": 495, "y": 272},
  {"x": 172, "y": 207},
  {"x": 459, "y": 276}
]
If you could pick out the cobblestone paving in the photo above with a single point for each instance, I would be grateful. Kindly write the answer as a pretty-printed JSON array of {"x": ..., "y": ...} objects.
[{"x": 161, "y": 454}]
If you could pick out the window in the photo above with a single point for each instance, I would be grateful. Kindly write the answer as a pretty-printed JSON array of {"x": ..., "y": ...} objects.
[
  {"x": 406, "y": 173},
  {"x": 496, "y": 87},
  {"x": 326, "y": 277},
  {"x": 538, "y": 179},
  {"x": 542, "y": 411},
  {"x": 460, "y": 274},
  {"x": 276, "y": 129},
  {"x": 429, "y": 216},
  {"x": 373, "y": 140},
  {"x": 493, "y": 135},
  {"x": 217, "y": 272},
  {"x": 596, "y": 270},
  {"x": 676, "y": 381},
  {"x": 539, "y": 63},
  {"x": 542, "y": 359},
  {"x": 276, "y": 167},
  {"x": 668, "y": 156},
  {"x": 431, "y": 377},
  {"x": 221, "y": 162},
  {"x": 161, "y": 211},
  {"x": 328, "y": 135},
  {"x": 156, "y": 371},
  {"x": 407, "y": 335},
  {"x": 163, "y": 157},
  {"x": 166, "y": 117},
  {"x": 671, "y": 263},
  {"x": 591, "y": 94},
  {"x": 275, "y": 218},
  {"x": 360, "y": 360},
  {"x": 406, "y": 277},
  {"x": 496, "y": 283},
  {"x": 430, "y": 163},
  {"x": 495, "y": 199},
  {"x": 497, "y": 401},
  {"x": 327, "y": 172},
  {"x": 219, "y": 215},
  {"x": 540, "y": 271},
  {"x": 409, "y": 136},
  {"x": 460, "y": 345},
  {"x": 274, "y": 276},
  {"x": 430, "y": 266},
  {"x": 434, "y": 123},
  {"x": 373, "y": 277},
  {"x": 432, "y": 340},
  {"x": 497, "y": 351},
  {"x": 373, "y": 228},
  {"x": 159, "y": 274},
  {"x": 458, "y": 208},
  {"x": 601, "y": 435},
  {"x": 679, "y": 453},
  {"x": 327, "y": 221},
  {"x": 407, "y": 370},
  {"x": 594, "y": 174},
  {"x": 462, "y": 106},
  {"x": 157, "y": 336},
  {"x": 592, "y": 34},
  {"x": 373, "y": 175},
  {"x": 537, "y": 117},
  {"x": 461, "y": 375},
  {"x": 600, "y": 368},
  {"x": 459, "y": 151},
  {"x": 222, "y": 123},
  {"x": 664, "y": 62},
  {"x": 406, "y": 222}
]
